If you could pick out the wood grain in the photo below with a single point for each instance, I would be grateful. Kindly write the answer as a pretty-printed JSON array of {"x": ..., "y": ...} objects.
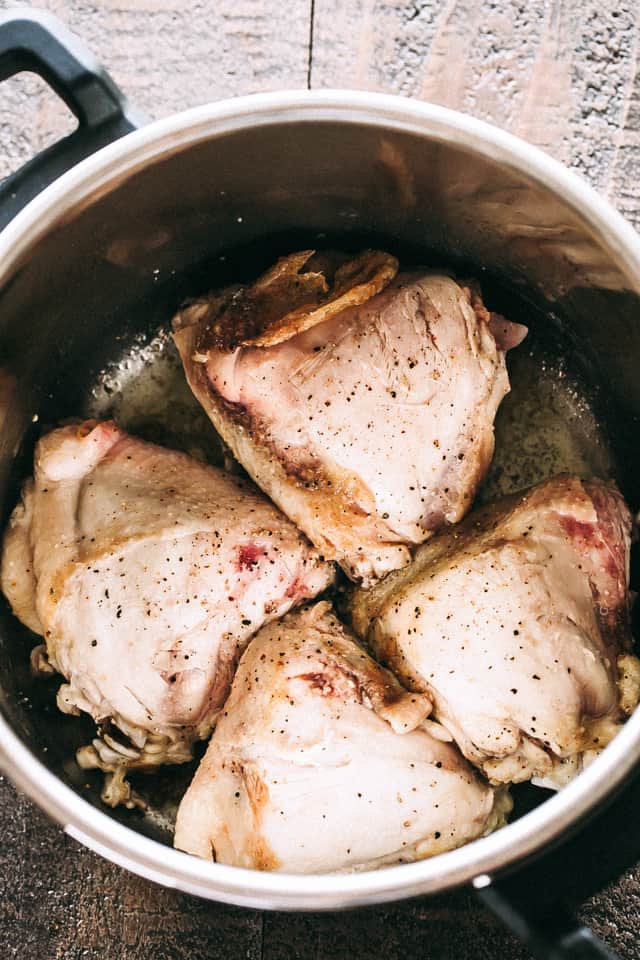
[
  {"x": 59, "y": 901},
  {"x": 561, "y": 73},
  {"x": 167, "y": 55}
]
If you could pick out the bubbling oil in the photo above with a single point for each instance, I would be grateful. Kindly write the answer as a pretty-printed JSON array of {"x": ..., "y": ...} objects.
[
  {"x": 145, "y": 391},
  {"x": 547, "y": 424}
]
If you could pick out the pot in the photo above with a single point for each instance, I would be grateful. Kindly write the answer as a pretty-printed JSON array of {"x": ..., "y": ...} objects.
[{"x": 114, "y": 242}]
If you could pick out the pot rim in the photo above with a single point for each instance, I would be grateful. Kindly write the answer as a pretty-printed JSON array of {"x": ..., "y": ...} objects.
[{"x": 480, "y": 860}]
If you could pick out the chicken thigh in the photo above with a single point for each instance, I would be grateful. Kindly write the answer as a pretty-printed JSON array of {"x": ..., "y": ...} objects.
[
  {"x": 516, "y": 623},
  {"x": 146, "y": 572},
  {"x": 360, "y": 400},
  {"x": 321, "y": 761}
]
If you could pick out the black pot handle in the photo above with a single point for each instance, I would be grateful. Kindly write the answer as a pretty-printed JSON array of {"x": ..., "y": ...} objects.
[
  {"x": 537, "y": 900},
  {"x": 551, "y": 934},
  {"x": 533, "y": 901},
  {"x": 35, "y": 41}
]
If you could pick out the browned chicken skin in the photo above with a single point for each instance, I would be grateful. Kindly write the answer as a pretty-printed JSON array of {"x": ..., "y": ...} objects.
[
  {"x": 321, "y": 761},
  {"x": 361, "y": 400},
  {"x": 516, "y": 622},
  {"x": 146, "y": 573}
]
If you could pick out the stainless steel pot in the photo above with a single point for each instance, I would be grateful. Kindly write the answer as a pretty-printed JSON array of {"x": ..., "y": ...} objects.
[{"x": 92, "y": 247}]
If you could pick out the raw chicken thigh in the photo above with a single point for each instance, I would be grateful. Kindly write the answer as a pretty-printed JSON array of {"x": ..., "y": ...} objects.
[
  {"x": 146, "y": 572},
  {"x": 321, "y": 761},
  {"x": 360, "y": 400},
  {"x": 516, "y": 623}
]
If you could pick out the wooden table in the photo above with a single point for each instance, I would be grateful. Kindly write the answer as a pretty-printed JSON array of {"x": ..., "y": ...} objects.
[{"x": 561, "y": 73}]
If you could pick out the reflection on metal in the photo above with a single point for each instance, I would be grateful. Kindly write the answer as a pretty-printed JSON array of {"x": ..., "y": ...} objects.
[{"x": 93, "y": 245}]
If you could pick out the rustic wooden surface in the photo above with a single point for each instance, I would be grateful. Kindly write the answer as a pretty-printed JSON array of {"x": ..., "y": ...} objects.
[{"x": 561, "y": 73}]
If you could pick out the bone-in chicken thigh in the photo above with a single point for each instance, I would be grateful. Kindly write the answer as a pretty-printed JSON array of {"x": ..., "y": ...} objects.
[
  {"x": 321, "y": 761},
  {"x": 361, "y": 400},
  {"x": 146, "y": 572},
  {"x": 516, "y": 623}
]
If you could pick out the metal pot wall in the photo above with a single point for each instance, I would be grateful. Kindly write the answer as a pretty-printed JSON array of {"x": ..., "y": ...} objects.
[{"x": 89, "y": 254}]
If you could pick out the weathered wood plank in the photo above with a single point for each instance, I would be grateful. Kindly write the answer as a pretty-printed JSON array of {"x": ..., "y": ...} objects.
[
  {"x": 59, "y": 901},
  {"x": 166, "y": 55},
  {"x": 563, "y": 75}
]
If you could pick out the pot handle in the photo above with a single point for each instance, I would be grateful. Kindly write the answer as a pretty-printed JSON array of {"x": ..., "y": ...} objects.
[
  {"x": 550, "y": 934},
  {"x": 34, "y": 40},
  {"x": 537, "y": 899}
]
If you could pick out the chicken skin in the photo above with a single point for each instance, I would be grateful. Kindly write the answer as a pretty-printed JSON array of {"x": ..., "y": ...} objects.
[
  {"x": 146, "y": 572},
  {"x": 321, "y": 761},
  {"x": 516, "y": 623},
  {"x": 361, "y": 400}
]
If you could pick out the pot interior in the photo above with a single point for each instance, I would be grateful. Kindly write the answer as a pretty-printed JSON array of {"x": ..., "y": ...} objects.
[{"x": 85, "y": 313}]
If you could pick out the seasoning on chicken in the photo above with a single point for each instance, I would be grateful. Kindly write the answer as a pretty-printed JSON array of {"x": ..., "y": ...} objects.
[
  {"x": 321, "y": 761},
  {"x": 360, "y": 400},
  {"x": 516, "y": 623},
  {"x": 146, "y": 573}
]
